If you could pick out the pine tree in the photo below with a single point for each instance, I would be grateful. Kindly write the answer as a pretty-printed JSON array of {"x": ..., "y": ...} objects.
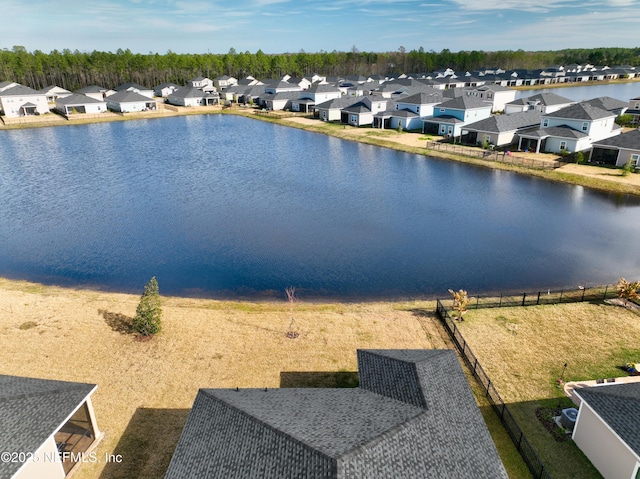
[{"x": 148, "y": 314}]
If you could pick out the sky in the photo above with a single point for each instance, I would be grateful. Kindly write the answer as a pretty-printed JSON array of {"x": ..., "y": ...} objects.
[{"x": 288, "y": 26}]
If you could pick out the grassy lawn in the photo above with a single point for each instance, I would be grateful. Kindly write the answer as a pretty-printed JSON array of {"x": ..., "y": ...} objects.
[
  {"x": 145, "y": 389},
  {"x": 523, "y": 351}
]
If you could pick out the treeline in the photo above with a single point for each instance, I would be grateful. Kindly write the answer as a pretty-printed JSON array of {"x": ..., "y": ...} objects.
[{"x": 75, "y": 70}]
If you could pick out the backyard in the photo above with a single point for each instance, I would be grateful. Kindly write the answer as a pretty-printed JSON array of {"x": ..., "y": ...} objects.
[
  {"x": 523, "y": 350},
  {"x": 146, "y": 388}
]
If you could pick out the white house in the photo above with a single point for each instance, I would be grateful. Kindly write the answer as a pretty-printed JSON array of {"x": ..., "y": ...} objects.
[
  {"x": 52, "y": 423},
  {"x": 573, "y": 129},
  {"x": 314, "y": 95},
  {"x": 54, "y": 92},
  {"x": 363, "y": 111},
  {"x": 331, "y": 110},
  {"x": 224, "y": 81},
  {"x": 136, "y": 88},
  {"x": 19, "y": 100},
  {"x": 192, "y": 96},
  {"x": 130, "y": 101},
  {"x": 607, "y": 428},
  {"x": 95, "y": 91},
  {"x": 542, "y": 102},
  {"x": 164, "y": 89},
  {"x": 78, "y": 103},
  {"x": 451, "y": 115}
]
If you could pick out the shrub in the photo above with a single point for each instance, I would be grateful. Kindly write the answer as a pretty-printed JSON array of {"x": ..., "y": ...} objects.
[{"x": 148, "y": 313}]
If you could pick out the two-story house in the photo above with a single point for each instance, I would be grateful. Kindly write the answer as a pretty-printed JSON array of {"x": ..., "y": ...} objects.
[
  {"x": 315, "y": 95},
  {"x": 573, "y": 129},
  {"x": 450, "y": 116},
  {"x": 18, "y": 100}
]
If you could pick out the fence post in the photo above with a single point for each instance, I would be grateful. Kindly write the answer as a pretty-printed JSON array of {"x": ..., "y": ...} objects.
[
  {"x": 500, "y": 303},
  {"x": 488, "y": 386},
  {"x": 583, "y": 291},
  {"x": 519, "y": 441},
  {"x": 477, "y": 299},
  {"x": 538, "y": 301},
  {"x": 561, "y": 293},
  {"x": 541, "y": 472},
  {"x": 524, "y": 297},
  {"x": 606, "y": 288},
  {"x": 475, "y": 365}
]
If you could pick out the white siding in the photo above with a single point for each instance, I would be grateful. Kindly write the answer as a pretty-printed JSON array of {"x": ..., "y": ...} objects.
[{"x": 602, "y": 446}]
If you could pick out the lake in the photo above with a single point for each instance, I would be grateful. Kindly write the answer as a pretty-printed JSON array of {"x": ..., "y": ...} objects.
[
  {"x": 226, "y": 206},
  {"x": 619, "y": 91}
]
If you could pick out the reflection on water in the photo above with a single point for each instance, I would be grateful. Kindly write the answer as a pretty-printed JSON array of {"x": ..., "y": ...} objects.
[{"x": 220, "y": 205}]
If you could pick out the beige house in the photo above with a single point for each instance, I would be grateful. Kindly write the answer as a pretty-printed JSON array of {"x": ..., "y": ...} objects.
[
  {"x": 607, "y": 428},
  {"x": 48, "y": 427}
]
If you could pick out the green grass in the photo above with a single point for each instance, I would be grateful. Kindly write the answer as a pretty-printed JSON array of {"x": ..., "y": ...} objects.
[{"x": 525, "y": 360}]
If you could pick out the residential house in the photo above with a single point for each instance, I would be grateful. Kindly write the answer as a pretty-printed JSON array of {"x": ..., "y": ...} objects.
[
  {"x": 451, "y": 115},
  {"x": 53, "y": 93},
  {"x": 165, "y": 89},
  {"x": 49, "y": 422},
  {"x": 497, "y": 95},
  {"x": 618, "y": 150},
  {"x": 610, "y": 104},
  {"x": 95, "y": 91},
  {"x": 407, "y": 112},
  {"x": 543, "y": 102},
  {"x": 279, "y": 101},
  {"x": 19, "y": 100},
  {"x": 363, "y": 111},
  {"x": 633, "y": 110},
  {"x": 316, "y": 94},
  {"x": 607, "y": 428},
  {"x": 202, "y": 83},
  {"x": 192, "y": 96},
  {"x": 224, "y": 82},
  {"x": 573, "y": 129},
  {"x": 78, "y": 103},
  {"x": 129, "y": 102},
  {"x": 280, "y": 87},
  {"x": 331, "y": 110},
  {"x": 412, "y": 415},
  {"x": 136, "y": 88},
  {"x": 500, "y": 130}
]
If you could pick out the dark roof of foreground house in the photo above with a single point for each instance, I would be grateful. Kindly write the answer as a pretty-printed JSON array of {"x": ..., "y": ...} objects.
[
  {"x": 618, "y": 406},
  {"x": 608, "y": 103},
  {"x": 413, "y": 415},
  {"x": 31, "y": 410},
  {"x": 581, "y": 111}
]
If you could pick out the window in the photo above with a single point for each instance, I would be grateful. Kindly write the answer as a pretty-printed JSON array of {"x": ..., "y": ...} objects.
[
  {"x": 442, "y": 110},
  {"x": 354, "y": 118},
  {"x": 545, "y": 122},
  {"x": 397, "y": 106},
  {"x": 585, "y": 126},
  {"x": 417, "y": 109},
  {"x": 563, "y": 145},
  {"x": 635, "y": 159}
]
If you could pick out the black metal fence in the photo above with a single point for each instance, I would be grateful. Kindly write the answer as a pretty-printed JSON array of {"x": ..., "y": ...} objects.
[
  {"x": 517, "y": 436},
  {"x": 495, "y": 155},
  {"x": 595, "y": 293}
]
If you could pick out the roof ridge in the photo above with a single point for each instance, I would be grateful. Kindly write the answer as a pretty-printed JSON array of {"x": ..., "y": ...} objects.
[
  {"x": 266, "y": 424},
  {"x": 72, "y": 386}
]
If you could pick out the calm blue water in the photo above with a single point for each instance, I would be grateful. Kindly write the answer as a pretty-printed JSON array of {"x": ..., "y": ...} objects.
[
  {"x": 619, "y": 91},
  {"x": 224, "y": 206}
]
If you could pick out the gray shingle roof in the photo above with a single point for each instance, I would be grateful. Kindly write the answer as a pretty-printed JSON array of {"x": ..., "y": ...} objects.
[
  {"x": 19, "y": 90},
  {"x": 464, "y": 103},
  {"x": 504, "y": 123},
  {"x": 412, "y": 416},
  {"x": 581, "y": 111},
  {"x": 554, "y": 131},
  {"x": 126, "y": 96},
  {"x": 547, "y": 99},
  {"x": 618, "y": 406},
  {"x": 31, "y": 410},
  {"x": 77, "y": 99},
  {"x": 629, "y": 140},
  {"x": 607, "y": 103}
]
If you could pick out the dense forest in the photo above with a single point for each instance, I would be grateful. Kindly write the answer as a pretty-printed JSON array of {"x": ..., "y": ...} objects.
[{"x": 74, "y": 70}]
